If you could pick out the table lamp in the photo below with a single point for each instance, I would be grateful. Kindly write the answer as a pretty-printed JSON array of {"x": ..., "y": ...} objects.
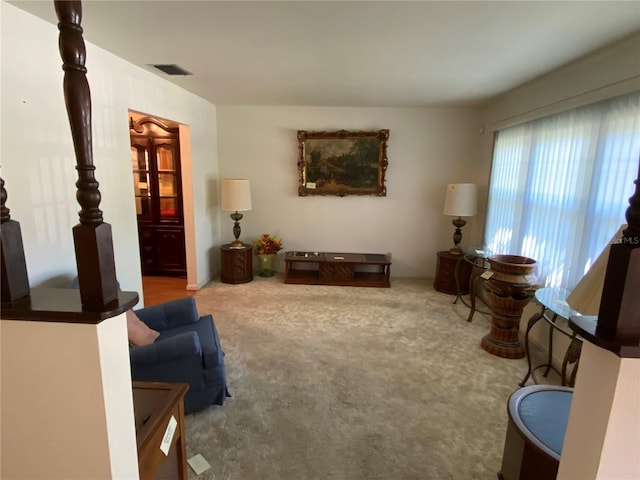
[
  {"x": 236, "y": 197},
  {"x": 461, "y": 201}
]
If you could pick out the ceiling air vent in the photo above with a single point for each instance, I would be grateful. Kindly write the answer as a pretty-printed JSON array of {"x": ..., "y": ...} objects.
[{"x": 172, "y": 69}]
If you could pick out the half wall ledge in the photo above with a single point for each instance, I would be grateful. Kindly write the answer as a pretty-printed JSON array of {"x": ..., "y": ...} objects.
[
  {"x": 64, "y": 305},
  {"x": 625, "y": 346}
]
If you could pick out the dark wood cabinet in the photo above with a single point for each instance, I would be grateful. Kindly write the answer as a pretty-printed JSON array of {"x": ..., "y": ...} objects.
[{"x": 155, "y": 161}]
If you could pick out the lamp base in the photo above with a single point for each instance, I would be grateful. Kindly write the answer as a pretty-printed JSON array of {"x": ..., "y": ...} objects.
[
  {"x": 457, "y": 235},
  {"x": 236, "y": 244}
]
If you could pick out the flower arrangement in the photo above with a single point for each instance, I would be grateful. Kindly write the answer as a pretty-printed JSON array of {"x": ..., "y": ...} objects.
[{"x": 267, "y": 245}]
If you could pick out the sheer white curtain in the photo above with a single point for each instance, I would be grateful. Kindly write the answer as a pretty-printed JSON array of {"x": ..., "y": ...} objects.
[{"x": 560, "y": 186}]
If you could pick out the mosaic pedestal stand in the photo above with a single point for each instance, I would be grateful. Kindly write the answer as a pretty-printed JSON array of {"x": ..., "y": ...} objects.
[{"x": 510, "y": 288}]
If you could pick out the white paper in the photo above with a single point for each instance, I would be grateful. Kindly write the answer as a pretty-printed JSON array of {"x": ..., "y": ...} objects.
[
  {"x": 198, "y": 464},
  {"x": 311, "y": 184},
  {"x": 487, "y": 275},
  {"x": 168, "y": 435}
]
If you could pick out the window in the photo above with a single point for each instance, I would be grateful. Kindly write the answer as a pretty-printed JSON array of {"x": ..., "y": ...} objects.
[{"x": 560, "y": 186}]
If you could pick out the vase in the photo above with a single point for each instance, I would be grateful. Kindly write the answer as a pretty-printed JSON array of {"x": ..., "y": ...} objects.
[
  {"x": 266, "y": 264},
  {"x": 510, "y": 287}
]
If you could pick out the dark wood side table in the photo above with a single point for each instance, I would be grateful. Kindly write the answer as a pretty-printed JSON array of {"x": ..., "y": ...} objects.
[
  {"x": 452, "y": 273},
  {"x": 154, "y": 406},
  {"x": 237, "y": 264}
]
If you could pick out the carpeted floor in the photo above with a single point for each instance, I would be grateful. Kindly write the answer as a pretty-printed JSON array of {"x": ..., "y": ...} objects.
[{"x": 351, "y": 383}]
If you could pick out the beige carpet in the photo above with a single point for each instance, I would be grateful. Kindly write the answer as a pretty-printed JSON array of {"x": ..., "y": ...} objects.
[{"x": 351, "y": 383}]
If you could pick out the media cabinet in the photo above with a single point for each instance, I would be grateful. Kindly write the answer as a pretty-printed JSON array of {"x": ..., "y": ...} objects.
[{"x": 345, "y": 269}]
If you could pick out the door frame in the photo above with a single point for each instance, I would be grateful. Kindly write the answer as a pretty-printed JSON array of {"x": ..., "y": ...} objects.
[{"x": 186, "y": 175}]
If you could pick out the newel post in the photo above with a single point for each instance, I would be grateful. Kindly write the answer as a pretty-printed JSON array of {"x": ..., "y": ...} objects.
[
  {"x": 602, "y": 438},
  {"x": 15, "y": 282},
  {"x": 92, "y": 236},
  {"x": 619, "y": 314}
]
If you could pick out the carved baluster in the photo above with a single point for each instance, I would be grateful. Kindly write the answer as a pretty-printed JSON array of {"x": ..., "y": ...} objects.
[
  {"x": 92, "y": 237},
  {"x": 15, "y": 282}
]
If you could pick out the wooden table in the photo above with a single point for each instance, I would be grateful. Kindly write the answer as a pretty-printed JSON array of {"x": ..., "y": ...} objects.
[
  {"x": 236, "y": 264},
  {"x": 346, "y": 269},
  {"x": 154, "y": 405}
]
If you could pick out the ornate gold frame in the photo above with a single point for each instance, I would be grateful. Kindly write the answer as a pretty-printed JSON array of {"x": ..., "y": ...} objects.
[{"x": 342, "y": 163}]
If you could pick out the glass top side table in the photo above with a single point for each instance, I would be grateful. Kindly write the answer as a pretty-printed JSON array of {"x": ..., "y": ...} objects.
[
  {"x": 477, "y": 256},
  {"x": 553, "y": 306}
]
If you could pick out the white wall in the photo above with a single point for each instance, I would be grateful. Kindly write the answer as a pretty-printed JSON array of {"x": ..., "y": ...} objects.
[
  {"x": 38, "y": 160},
  {"x": 427, "y": 149},
  {"x": 67, "y": 410},
  {"x": 608, "y": 72},
  {"x": 602, "y": 440}
]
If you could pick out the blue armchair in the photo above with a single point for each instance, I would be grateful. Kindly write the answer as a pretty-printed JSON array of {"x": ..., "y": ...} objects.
[{"x": 187, "y": 350}]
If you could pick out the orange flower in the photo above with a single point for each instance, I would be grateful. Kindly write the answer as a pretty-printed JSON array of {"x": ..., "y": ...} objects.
[{"x": 267, "y": 245}]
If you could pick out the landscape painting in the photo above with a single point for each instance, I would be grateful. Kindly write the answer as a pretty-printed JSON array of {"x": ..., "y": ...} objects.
[{"x": 342, "y": 163}]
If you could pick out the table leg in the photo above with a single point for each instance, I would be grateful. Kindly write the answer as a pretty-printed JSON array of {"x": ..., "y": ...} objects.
[
  {"x": 572, "y": 355},
  {"x": 458, "y": 297},
  {"x": 472, "y": 295},
  {"x": 532, "y": 321},
  {"x": 456, "y": 278},
  {"x": 550, "y": 351}
]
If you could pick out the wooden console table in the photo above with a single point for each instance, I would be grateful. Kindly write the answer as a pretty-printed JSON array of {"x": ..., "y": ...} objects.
[
  {"x": 347, "y": 269},
  {"x": 154, "y": 405}
]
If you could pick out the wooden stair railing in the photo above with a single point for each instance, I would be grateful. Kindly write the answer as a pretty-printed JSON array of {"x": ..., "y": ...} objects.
[
  {"x": 15, "y": 281},
  {"x": 92, "y": 236},
  {"x": 620, "y": 304},
  {"x": 98, "y": 294},
  {"x": 617, "y": 326}
]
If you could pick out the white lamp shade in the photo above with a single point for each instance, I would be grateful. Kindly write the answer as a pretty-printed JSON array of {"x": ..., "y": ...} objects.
[
  {"x": 586, "y": 296},
  {"x": 236, "y": 194},
  {"x": 461, "y": 199}
]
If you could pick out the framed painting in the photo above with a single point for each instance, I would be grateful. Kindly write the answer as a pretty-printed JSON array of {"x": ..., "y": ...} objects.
[{"x": 342, "y": 163}]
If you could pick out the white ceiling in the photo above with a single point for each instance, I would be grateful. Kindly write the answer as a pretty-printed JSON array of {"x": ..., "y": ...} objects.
[{"x": 359, "y": 53}]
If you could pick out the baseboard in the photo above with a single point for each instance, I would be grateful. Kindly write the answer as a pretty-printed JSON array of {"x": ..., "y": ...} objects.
[{"x": 198, "y": 286}]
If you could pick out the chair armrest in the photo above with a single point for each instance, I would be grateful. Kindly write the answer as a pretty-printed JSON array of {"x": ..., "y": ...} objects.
[
  {"x": 179, "y": 346},
  {"x": 169, "y": 314}
]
